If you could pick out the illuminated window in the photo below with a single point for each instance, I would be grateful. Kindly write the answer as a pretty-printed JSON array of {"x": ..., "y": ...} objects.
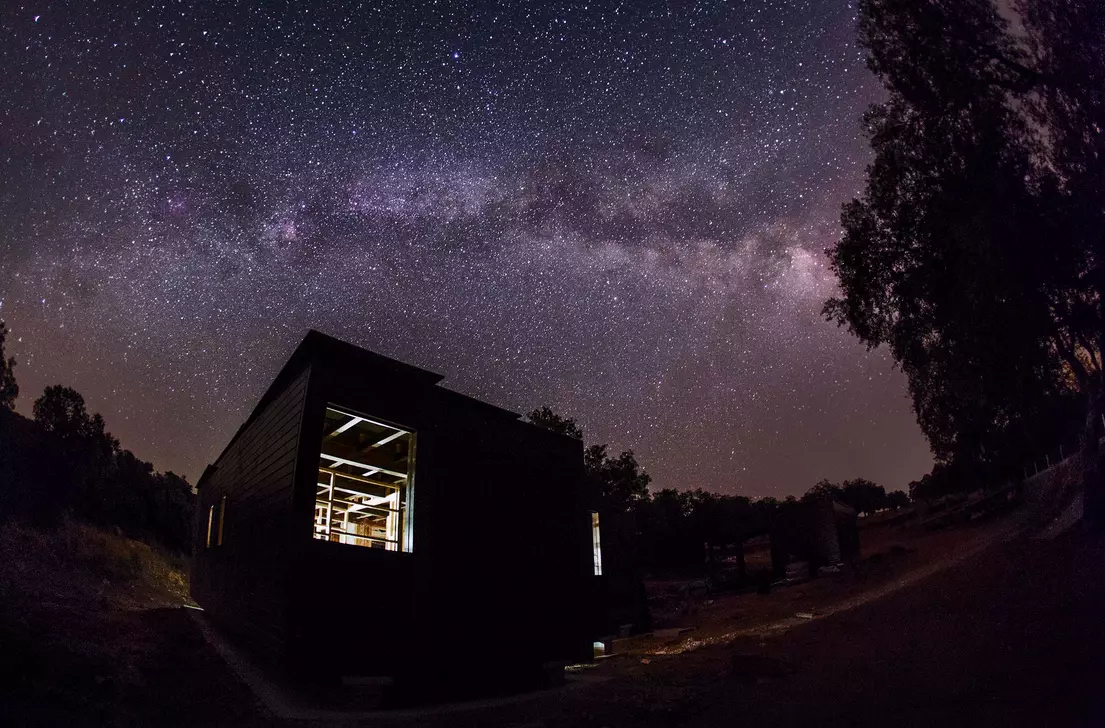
[
  {"x": 596, "y": 543},
  {"x": 364, "y": 482},
  {"x": 210, "y": 525},
  {"x": 222, "y": 519}
]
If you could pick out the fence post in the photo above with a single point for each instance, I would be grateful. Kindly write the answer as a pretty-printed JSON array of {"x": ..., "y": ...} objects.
[
  {"x": 1061, "y": 453},
  {"x": 1047, "y": 459}
]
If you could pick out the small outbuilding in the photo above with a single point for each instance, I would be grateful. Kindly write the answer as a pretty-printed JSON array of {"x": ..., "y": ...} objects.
[
  {"x": 366, "y": 522},
  {"x": 818, "y": 533}
]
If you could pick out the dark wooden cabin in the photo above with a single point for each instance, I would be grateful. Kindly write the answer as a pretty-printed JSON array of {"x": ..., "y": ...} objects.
[{"x": 365, "y": 521}]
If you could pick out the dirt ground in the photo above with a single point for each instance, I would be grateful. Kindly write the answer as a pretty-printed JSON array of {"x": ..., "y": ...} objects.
[
  {"x": 890, "y": 557},
  {"x": 1011, "y": 633}
]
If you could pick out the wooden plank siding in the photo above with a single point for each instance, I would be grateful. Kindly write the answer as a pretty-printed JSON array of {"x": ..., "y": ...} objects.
[{"x": 243, "y": 581}]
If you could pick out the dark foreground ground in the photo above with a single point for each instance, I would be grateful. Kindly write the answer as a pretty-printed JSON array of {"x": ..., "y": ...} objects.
[{"x": 1013, "y": 636}]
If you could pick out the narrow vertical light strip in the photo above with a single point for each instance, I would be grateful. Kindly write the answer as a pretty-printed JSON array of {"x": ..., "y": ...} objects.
[
  {"x": 329, "y": 506},
  {"x": 392, "y": 533},
  {"x": 222, "y": 519},
  {"x": 596, "y": 543},
  {"x": 210, "y": 524},
  {"x": 407, "y": 499}
]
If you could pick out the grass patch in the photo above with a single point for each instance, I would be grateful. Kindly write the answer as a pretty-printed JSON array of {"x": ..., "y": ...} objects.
[{"x": 72, "y": 637}]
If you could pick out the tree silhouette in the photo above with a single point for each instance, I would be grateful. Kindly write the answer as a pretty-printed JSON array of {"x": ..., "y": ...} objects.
[
  {"x": 824, "y": 490},
  {"x": 960, "y": 255},
  {"x": 9, "y": 388},
  {"x": 61, "y": 411},
  {"x": 863, "y": 495},
  {"x": 860, "y": 494},
  {"x": 1067, "y": 41},
  {"x": 896, "y": 499},
  {"x": 546, "y": 418},
  {"x": 92, "y": 477},
  {"x": 619, "y": 483}
]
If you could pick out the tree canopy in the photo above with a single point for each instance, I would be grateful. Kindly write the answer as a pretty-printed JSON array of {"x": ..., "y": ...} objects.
[
  {"x": 66, "y": 462},
  {"x": 971, "y": 253},
  {"x": 863, "y": 495},
  {"x": 618, "y": 482},
  {"x": 61, "y": 411},
  {"x": 546, "y": 418}
]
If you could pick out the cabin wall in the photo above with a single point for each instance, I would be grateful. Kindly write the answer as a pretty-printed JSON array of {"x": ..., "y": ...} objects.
[
  {"x": 242, "y": 583},
  {"x": 501, "y": 567},
  {"x": 511, "y": 552},
  {"x": 500, "y": 579},
  {"x": 339, "y": 589},
  {"x": 622, "y": 599}
]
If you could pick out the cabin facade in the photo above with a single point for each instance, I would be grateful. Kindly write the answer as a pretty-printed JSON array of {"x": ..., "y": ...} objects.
[{"x": 365, "y": 521}]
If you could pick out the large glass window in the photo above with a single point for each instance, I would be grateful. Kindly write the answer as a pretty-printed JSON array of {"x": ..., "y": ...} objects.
[{"x": 364, "y": 482}]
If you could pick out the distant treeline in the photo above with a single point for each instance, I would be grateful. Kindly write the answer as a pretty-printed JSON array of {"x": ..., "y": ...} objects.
[
  {"x": 673, "y": 526},
  {"x": 65, "y": 462}
]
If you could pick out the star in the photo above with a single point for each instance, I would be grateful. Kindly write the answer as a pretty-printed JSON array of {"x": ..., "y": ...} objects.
[{"x": 606, "y": 209}]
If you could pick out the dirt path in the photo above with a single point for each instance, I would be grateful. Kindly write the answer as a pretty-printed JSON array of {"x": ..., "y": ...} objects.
[
  {"x": 1014, "y": 636},
  {"x": 892, "y": 559}
]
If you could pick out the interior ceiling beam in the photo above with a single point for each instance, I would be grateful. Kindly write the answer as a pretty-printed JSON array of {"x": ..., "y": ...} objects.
[
  {"x": 360, "y": 479},
  {"x": 358, "y": 418},
  {"x": 385, "y": 441},
  {"x": 353, "y": 421},
  {"x": 391, "y": 496},
  {"x": 374, "y": 500},
  {"x": 374, "y": 468}
]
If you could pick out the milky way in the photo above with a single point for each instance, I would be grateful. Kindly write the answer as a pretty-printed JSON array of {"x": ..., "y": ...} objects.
[{"x": 618, "y": 210}]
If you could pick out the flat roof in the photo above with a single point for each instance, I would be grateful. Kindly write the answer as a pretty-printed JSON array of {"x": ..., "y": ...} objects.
[{"x": 317, "y": 346}]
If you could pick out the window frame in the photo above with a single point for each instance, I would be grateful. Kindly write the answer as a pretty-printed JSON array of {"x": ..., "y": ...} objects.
[
  {"x": 596, "y": 543},
  {"x": 404, "y": 487}
]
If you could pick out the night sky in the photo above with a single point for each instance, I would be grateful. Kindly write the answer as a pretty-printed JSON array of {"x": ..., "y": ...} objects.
[{"x": 618, "y": 210}]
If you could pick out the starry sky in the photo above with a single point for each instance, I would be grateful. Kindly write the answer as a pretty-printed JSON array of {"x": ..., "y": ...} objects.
[{"x": 616, "y": 209}]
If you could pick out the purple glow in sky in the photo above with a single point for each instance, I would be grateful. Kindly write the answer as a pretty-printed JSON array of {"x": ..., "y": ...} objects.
[{"x": 617, "y": 209}]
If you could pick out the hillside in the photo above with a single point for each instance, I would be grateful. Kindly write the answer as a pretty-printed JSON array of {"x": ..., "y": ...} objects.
[{"x": 91, "y": 627}]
